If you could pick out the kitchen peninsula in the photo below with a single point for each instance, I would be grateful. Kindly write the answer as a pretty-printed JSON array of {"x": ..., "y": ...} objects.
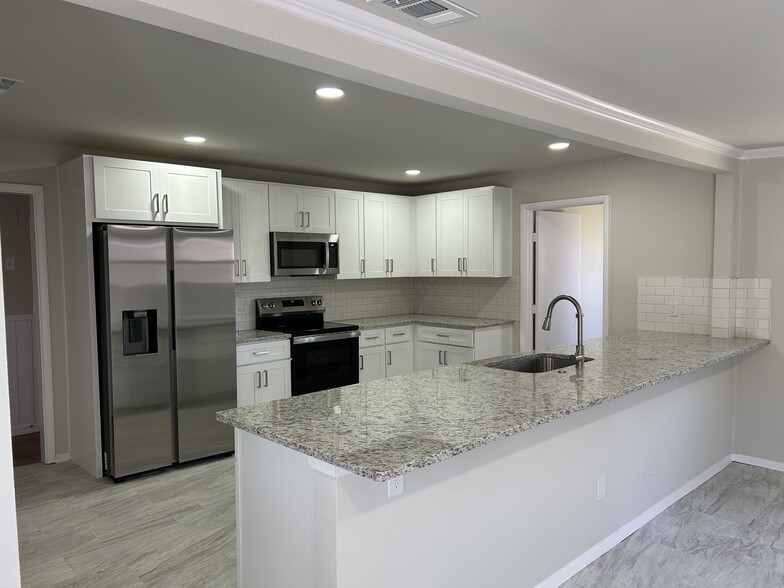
[{"x": 469, "y": 475}]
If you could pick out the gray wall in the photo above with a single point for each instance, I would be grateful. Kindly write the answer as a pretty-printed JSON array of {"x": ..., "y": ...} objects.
[
  {"x": 760, "y": 388},
  {"x": 661, "y": 218}
]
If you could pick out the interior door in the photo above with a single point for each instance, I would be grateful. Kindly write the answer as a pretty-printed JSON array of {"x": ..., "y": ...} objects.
[{"x": 558, "y": 263}]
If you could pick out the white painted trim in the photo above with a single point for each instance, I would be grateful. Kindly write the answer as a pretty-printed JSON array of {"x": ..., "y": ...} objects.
[
  {"x": 384, "y": 32},
  {"x": 36, "y": 194},
  {"x": 526, "y": 266},
  {"x": 61, "y": 457},
  {"x": 635, "y": 524},
  {"x": 765, "y": 153},
  {"x": 759, "y": 462}
]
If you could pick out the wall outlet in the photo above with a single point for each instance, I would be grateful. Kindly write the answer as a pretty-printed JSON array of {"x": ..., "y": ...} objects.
[
  {"x": 395, "y": 487},
  {"x": 601, "y": 488}
]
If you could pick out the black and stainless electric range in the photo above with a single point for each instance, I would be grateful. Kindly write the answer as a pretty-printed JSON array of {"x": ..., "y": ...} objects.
[{"x": 323, "y": 354}]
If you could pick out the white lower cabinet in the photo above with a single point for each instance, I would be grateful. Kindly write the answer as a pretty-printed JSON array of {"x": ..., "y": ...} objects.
[
  {"x": 384, "y": 353},
  {"x": 441, "y": 346},
  {"x": 263, "y": 372}
]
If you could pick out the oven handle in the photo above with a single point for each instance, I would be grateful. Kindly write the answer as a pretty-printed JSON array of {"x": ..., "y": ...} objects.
[{"x": 324, "y": 337}]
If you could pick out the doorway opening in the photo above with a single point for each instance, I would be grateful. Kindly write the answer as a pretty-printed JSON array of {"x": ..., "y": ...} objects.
[
  {"x": 564, "y": 249},
  {"x": 28, "y": 339}
]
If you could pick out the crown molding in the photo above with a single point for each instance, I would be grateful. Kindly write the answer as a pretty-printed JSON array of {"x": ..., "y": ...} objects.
[
  {"x": 360, "y": 23},
  {"x": 764, "y": 153}
]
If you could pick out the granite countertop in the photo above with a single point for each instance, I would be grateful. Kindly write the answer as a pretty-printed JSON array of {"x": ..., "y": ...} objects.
[
  {"x": 257, "y": 336},
  {"x": 429, "y": 320},
  {"x": 385, "y": 428}
]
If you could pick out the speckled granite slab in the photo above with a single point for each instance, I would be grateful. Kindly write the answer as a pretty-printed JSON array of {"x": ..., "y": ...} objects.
[
  {"x": 430, "y": 320},
  {"x": 254, "y": 336},
  {"x": 385, "y": 428}
]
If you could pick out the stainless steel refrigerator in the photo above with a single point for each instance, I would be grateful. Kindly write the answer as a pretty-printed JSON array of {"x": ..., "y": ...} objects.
[{"x": 165, "y": 300}]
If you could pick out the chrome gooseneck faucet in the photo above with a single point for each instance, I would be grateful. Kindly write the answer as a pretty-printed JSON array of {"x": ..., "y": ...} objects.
[{"x": 579, "y": 352}]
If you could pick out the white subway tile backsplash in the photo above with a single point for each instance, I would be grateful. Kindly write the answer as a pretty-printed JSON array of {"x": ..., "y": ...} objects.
[{"x": 719, "y": 307}]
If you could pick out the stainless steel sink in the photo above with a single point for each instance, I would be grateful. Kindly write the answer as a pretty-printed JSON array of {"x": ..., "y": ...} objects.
[{"x": 536, "y": 364}]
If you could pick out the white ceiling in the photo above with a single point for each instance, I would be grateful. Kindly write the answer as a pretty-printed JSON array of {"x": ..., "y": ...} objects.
[
  {"x": 713, "y": 67},
  {"x": 97, "y": 82}
]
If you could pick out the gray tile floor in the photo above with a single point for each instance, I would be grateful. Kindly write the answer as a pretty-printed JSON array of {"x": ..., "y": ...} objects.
[
  {"x": 176, "y": 529},
  {"x": 729, "y": 532},
  {"x": 172, "y": 529}
]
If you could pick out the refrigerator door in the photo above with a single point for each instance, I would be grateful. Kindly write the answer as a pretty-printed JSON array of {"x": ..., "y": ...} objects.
[
  {"x": 135, "y": 363},
  {"x": 204, "y": 341}
]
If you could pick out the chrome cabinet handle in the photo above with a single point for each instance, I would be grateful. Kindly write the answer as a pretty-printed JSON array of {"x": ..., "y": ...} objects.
[
  {"x": 155, "y": 204},
  {"x": 308, "y": 223},
  {"x": 441, "y": 335},
  {"x": 459, "y": 264},
  {"x": 389, "y": 358},
  {"x": 391, "y": 266},
  {"x": 361, "y": 266},
  {"x": 266, "y": 378},
  {"x": 386, "y": 266},
  {"x": 236, "y": 267},
  {"x": 465, "y": 264},
  {"x": 445, "y": 362},
  {"x": 361, "y": 362},
  {"x": 244, "y": 267},
  {"x": 301, "y": 219},
  {"x": 433, "y": 265},
  {"x": 165, "y": 204},
  {"x": 398, "y": 334},
  {"x": 439, "y": 357},
  {"x": 371, "y": 338},
  {"x": 265, "y": 352},
  {"x": 258, "y": 379}
]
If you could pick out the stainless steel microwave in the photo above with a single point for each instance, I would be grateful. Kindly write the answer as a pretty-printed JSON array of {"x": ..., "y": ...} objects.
[{"x": 303, "y": 254}]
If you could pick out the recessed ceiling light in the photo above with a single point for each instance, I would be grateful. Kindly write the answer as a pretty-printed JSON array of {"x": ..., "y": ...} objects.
[
  {"x": 329, "y": 92},
  {"x": 413, "y": 172},
  {"x": 560, "y": 145},
  {"x": 194, "y": 139}
]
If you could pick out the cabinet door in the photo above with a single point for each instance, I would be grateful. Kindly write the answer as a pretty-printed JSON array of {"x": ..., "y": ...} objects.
[
  {"x": 231, "y": 220},
  {"x": 318, "y": 206},
  {"x": 189, "y": 195},
  {"x": 400, "y": 358},
  {"x": 247, "y": 384},
  {"x": 349, "y": 223},
  {"x": 449, "y": 233},
  {"x": 478, "y": 233},
  {"x": 456, "y": 355},
  {"x": 372, "y": 363},
  {"x": 284, "y": 208},
  {"x": 398, "y": 236},
  {"x": 376, "y": 263},
  {"x": 429, "y": 356},
  {"x": 126, "y": 189},
  {"x": 254, "y": 232},
  {"x": 424, "y": 263},
  {"x": 275, "y": 381}
]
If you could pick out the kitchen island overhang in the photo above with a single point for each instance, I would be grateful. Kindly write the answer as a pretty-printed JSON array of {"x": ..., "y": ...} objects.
[{"x": 515, "y": 511}]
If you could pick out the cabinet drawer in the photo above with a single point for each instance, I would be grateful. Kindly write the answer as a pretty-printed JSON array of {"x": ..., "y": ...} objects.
[
  {"x": 446, "y": 336},
  {"x": 251, "y": 353},
  {"x": 399, "y": 334},
  {"x": 372, "y": 337}
]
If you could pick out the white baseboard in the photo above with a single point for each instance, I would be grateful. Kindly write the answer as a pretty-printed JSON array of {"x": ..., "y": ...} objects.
[
  {"x": 615, "y": 538},
  {"x": 61, "y": 457},
  {"x": 757, "y": 461}
]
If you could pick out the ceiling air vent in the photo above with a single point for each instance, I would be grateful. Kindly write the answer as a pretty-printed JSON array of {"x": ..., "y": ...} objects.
[
  {"x": 7, "y": 83},
  {"x": 431, "y": 12}
]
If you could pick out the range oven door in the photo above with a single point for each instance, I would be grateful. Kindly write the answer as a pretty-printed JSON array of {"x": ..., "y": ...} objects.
[{"x": 325, "y": 361}]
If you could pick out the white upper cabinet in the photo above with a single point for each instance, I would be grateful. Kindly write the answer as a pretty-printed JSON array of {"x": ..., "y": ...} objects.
[
  {"x": 374, "y": 235},
  {"x": 246, "y": 210},
  {"x": 349, "y": 222},
  {"x": 424, "y": 226},
  {"x": 474, "y": 233},
  {"x": 144, "y": 191},
  {"x": 301, "y": 209}
]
